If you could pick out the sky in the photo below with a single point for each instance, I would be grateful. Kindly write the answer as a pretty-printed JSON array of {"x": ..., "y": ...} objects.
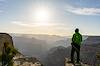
[{"x": 54, "y": 17}]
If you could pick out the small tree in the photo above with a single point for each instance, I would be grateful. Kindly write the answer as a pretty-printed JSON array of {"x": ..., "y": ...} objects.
[{"x": 8, "y": 53}]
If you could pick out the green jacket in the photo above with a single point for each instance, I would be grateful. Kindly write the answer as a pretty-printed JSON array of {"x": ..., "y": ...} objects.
[{"x": 77, "y": 38}]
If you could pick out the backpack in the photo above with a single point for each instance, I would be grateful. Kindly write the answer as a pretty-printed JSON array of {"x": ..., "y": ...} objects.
[{"x": 77, "y": 38}]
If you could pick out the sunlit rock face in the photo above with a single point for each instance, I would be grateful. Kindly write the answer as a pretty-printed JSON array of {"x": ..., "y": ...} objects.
[{"x": 5, "y": 38}]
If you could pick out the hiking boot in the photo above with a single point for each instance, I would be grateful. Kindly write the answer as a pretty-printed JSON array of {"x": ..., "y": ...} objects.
[
  {"x": 70, "y": 62},
  {"x": 78, "y": 62}
]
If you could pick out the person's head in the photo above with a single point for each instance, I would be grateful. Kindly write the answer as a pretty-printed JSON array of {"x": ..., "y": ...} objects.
[{"x": 76, "y": 30}]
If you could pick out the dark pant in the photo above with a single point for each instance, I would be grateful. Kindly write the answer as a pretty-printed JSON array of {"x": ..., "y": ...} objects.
[{"x": 75, "y": 48}]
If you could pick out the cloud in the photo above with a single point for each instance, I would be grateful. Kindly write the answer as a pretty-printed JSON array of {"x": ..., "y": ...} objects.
[
  {"x": 22, "y": 24},
  {"x": 31, "y": 24},
  {"x": 83, "y": 11}
]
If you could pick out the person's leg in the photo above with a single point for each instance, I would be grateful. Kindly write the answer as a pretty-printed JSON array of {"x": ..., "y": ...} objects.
[
  {"x": 78, "y": 53},
  {"x": 72, "y": 53}
]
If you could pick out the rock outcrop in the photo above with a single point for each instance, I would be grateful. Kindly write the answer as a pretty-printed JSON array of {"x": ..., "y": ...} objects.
[
  {"x": 5, "y": 38},
  {"x": 70, "y": 64}
]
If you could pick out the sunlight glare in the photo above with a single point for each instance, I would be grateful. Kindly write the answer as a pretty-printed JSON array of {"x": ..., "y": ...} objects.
[{"x": 41, "y": 15}]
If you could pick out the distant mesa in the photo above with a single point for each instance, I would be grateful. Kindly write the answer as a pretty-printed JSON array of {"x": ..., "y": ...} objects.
[{"x": 92, "y": 40}]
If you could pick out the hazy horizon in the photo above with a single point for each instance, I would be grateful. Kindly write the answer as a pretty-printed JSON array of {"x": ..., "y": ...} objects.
[{"x": 46, "y": 34}]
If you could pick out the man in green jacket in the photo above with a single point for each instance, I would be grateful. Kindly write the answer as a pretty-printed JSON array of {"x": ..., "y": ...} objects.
[{"x": 76, "y": 42}]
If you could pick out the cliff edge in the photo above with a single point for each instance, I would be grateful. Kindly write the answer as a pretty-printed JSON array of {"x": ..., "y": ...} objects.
[{"x": 5, "y": 38}]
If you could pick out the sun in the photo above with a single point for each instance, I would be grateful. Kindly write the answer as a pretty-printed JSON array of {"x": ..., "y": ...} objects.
[{"x": 41, "y": 16}]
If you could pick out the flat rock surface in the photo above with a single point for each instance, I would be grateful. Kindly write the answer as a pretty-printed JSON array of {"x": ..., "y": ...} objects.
[{"x": 70, "y": 64}]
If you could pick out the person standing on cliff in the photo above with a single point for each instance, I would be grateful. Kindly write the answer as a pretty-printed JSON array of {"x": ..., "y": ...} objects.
[{"x": 76, "y": 42}]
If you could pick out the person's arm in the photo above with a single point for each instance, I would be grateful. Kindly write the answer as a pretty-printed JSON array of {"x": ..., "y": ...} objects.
[{"x": 73, "y": 38}]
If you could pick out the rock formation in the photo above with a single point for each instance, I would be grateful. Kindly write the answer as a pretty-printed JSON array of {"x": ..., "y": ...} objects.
[{"x": 5, "y": 38}]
